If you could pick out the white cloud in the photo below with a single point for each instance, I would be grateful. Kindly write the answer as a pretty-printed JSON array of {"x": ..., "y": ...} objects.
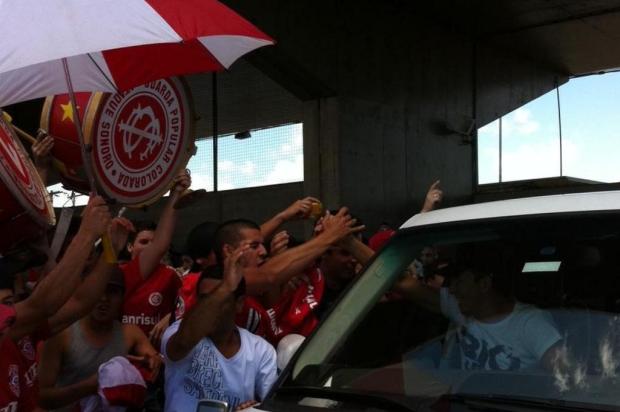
[
  {"x": 225, "y": 184},
  {"x": 490, "y": 130},
  {"x": 202, "y": 180},
  {"x": 520, "y": 121},
  {"x": 298, "y": 135},
  {"x": 488, "y": 165},
  {"x": 286, "y": 171},
  {"x": 286, "y": 149},
  {"x": 537, "y": 160},
  {"x": 247, "y": 168},
  {"x": 226, "y": 166},
  {"x": 297, "y": 143}
]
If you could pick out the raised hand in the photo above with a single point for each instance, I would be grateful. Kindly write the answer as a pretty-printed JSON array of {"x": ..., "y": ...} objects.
[
  {"x": 407, "y": 282},
  {"x": 95, "y": 217},
  {"x": 279, "y": 243},
  {"x": 233, "y": 268},
  {"x": 151, "y": 362},
  {"x": 300, "y": 209},
  {"x": 118, "y": 231},
  {"x": 42, "y": 148},
  {"x": 337, "y": 227},
  {"x": 181, "y": 182},
  {"x": 158, "y": 331},
  {"x": 434, "y": 196}
]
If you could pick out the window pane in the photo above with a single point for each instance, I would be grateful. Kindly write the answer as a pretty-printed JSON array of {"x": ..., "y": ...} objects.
[
  {"x": 530, "y": 140},
  {"x": 62, "y": 197},
  {"x": 269, "y": 156},
  {"x": 590, "y": 128},
  {"x": 201, "y": 165},
  {"x": 488, "y": 153}
]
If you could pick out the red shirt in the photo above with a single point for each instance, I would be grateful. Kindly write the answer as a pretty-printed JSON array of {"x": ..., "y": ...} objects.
[
  {"x": 293, "y": 313},
  {"x": 187, "y": 294},
  {"x": 148, "y": 300},
  {"x": 19, "y": 385},
  {"x": 254, "y": 318}
]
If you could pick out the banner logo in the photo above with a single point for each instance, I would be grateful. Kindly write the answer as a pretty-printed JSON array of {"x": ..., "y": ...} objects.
[{"x": 133, "y": 136}]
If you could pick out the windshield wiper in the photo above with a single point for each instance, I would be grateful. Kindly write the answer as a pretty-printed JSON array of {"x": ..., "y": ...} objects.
[
  {"x": 494, "y": 401},
  {"x": 376, "y": 399}
]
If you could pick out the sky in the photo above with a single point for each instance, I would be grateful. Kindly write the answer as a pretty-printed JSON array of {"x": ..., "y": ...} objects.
[
  {"x": 530, "y": 135},
  {"x": 270, "y": 156}
]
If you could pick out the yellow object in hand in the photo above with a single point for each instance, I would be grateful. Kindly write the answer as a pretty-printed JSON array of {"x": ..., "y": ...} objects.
[{"x": 108, "y": 250}]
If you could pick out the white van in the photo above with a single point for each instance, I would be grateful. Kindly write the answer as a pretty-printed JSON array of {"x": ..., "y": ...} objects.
[{"x": 553, "y": 264}]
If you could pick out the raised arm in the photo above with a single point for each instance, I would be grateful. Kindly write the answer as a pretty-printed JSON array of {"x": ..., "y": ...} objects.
[
  {"x": 51, "y": 397},
  {"x": 58, "y": 286},
  {"x": 152, "y": 255},
  {"x": 141, "y": 351},
  {"x": 433, "y": 198},
  {"x": 202, "y": 318},
  {"x": 41, "y": 154},
  {"x": 93, "y": 286},
  {"x": 281, "y": 268},
  {"x": 300, "y": 209},
  {"x": 411, "y": 288}
]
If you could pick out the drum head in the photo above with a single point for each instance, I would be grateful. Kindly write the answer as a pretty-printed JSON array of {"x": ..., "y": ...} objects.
[
  {"x": 141, "y": 139},
  {"x": 19, "y": 175}
]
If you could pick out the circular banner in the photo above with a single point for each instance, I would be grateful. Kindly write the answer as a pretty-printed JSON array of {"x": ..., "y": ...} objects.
[
  {"x": 142, "y": 139},
  {"x": 24, "y": 197}
]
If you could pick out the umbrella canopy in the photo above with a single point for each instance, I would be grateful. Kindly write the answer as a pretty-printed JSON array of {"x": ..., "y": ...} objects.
[{"x": 113, "y": 45}]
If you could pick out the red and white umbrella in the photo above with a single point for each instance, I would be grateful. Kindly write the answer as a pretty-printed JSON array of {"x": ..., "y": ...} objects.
[
  {"x": 56, "y": 46},
  {"x": 113, "y": 45}
]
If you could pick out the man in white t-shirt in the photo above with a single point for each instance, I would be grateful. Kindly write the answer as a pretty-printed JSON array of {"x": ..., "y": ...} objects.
[
  {"x": 493, "y": 331},
  {"x": 209, "y": 357}
]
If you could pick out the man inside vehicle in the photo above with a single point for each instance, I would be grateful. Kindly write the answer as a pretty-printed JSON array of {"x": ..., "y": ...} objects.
[{"x": 492, "y": 330}]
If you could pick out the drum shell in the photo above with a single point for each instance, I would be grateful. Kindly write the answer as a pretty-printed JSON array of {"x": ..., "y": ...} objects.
[{"x": 57, "y": 120}]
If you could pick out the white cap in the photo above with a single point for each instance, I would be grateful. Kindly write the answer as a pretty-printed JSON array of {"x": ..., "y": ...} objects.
[{"x": 287, "y": 347}]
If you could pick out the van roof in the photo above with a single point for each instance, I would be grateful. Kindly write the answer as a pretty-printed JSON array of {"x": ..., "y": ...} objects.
[{"x": 566, "y": 203}]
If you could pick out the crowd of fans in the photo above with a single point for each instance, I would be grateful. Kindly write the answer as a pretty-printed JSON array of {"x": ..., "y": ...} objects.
[
  {"x": 83, "y": 333},
  {"x": 86, "y": 334}
]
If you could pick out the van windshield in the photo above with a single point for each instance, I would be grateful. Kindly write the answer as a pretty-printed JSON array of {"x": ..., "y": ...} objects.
[{"x": 517, "y": 308}]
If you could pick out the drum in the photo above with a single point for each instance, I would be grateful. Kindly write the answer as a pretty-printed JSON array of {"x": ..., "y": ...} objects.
[
  {"x": 26, "y": 212},
  {"x": 140, "y": 139}
]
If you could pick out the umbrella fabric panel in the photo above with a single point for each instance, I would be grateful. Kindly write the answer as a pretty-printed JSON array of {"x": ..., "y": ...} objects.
[
  {"x": 133, "y": 66},
  {"x": 122, "y": 69},
  {"x": 199, "y": 18},
  {"x": 114, "y": 45},
  {"x": 227, "y": 49},
  {"x": 45, "y": 79},
  {"x": 41, "y": 31}
]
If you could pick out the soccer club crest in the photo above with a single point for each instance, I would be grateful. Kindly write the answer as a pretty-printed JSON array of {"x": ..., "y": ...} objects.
[{"x": 142, "y": 138}]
